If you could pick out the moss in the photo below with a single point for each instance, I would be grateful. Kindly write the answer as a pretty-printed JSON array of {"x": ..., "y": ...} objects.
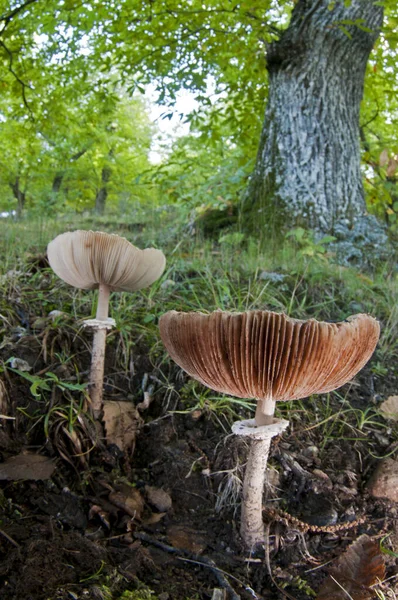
[{"x": 143, "y": 594}]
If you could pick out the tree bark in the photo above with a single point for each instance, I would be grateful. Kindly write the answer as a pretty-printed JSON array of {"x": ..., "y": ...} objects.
[
  {"x": 308, "y": 164},
  {"x": 59, "y": 175},
  {"x": 20, "y": 196},
  {"x": 102, "y": 193}
]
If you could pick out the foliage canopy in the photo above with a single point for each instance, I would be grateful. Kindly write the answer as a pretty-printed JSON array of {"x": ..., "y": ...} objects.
[{"x": 67, "y": 66}]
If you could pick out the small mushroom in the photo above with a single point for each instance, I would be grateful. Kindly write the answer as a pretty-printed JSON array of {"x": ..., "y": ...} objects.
[
  {"x": 92, "y": 259},
  {"x": 267, "y": 357}
]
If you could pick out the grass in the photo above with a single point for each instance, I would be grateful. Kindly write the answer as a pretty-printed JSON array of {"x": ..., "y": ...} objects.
[
  {"x": 233, "y": 274},
  {"x": 230, "y": 274}
]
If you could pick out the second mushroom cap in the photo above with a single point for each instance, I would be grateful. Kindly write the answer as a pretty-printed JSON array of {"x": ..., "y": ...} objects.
[{"x": 85, "y": 259}]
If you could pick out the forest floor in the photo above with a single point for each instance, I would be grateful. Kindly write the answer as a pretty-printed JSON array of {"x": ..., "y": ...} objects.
[{"x": 157, "y": 516}]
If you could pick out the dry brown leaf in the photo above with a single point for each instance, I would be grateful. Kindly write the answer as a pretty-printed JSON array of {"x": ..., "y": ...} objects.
[
  {"x": 121, "y": 420},
  {"x": 27, "y": 466},
  {"x": 97, "y": 510},
  {"x": 355, "y": 571},
  {"x": 186, "y": 538},
  {"x": 154, "y": 518},
  {"x": 129, "y": 499},
  {"x": 389, "y": 408}
]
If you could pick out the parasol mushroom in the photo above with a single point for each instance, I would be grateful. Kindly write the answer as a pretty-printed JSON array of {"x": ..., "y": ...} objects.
[
  {"x": 268, "y": 357},
  {"x": 93, "y": 259}
]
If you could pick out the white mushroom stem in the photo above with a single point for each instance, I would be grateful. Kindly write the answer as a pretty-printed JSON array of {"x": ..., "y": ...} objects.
[
  {"x": 261, "y": 429},
  {"x": 100, "y": 325}
]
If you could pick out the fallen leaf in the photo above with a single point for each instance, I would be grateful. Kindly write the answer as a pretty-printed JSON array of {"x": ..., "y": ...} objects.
[
  {"x": 98, "y": 511},
  {"x": 355, "y": 571},
  {"x": 389, "y": 408},
  {"x": 122, "y": 421},
  {"x": 27, "y": 466},
  {"x": 186, "y": 538},
  {"x": 153, "y": 519},
  {"x": 129, "y": 499}
]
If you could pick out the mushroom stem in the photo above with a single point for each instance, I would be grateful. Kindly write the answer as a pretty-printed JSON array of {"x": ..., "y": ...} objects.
[
  {"x": 252, "y": 526},
  {"x": 104, "y": 292},
  {"x": 98, "y": 355},
  {"x": 265, "y": 411}
]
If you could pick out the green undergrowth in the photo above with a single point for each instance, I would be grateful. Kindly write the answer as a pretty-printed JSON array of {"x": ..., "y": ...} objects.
[{"x": 232, "y": 273}]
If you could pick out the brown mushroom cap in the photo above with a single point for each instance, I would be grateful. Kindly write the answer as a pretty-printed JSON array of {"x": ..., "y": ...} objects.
[
  {"x": 85, "y": 259},
  {"x": 260, "y": 354}
]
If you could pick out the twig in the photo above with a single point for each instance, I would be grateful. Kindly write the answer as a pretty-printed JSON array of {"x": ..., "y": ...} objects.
[
  {"x": 9, "y": 538},
  {"x": 7, "y": 18},
  {"x": 268, "y": 562},
  {"x": 16, "y": 76},
  {"x": 194, "y": 558}
]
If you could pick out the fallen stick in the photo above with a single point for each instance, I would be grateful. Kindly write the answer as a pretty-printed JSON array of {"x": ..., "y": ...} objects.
[{"x": 203, "y": 561}]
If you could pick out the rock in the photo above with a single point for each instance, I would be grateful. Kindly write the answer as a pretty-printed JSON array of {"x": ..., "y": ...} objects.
[
  {"x": 168, "y": 283},
  {"x": 311, "y": 452},
  {"x": 323, "y": 518},
  {"x": 271, "y": 276},
  {"x": 20, "y": 364},
  {"x": 360, "y": 244},
  {"x": 39, "y": 324},
  {"x": 55, "y": 314},
  {"x": 384, "y": 481},
  {"x": 158, "y": 498}
]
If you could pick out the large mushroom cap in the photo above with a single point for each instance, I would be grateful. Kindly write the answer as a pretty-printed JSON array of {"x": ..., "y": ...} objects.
[
  {"x": 86, "y": 259},
  {"x": 260, "y": 354}
]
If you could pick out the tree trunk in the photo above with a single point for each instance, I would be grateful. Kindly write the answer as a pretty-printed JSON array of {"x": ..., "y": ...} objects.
[
  {"x": 59, "y": 175},
  {"x": 57, "y": 182},
  {"x": 19, "y": 195},
  {"x": 102, "y": 193},
  {"x": 308, "y": 163}
]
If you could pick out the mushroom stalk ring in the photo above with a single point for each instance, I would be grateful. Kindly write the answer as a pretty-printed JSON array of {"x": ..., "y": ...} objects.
[{"x": 260, "y": 432}]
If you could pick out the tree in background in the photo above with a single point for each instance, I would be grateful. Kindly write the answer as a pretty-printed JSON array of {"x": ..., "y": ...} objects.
[
  {"x": 70, "y": 135},
  {"x": 308, "y": 164},
  {"x": 311, "y": 62}
]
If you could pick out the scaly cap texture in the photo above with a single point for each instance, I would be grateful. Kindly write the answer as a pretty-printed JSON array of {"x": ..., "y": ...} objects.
[
  {"x": 85, "y": 259},
  {"x": 261, "y": 354}
]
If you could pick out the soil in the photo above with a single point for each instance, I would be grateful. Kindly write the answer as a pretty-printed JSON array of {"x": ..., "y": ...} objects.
[{"x": 164, "y": 515}]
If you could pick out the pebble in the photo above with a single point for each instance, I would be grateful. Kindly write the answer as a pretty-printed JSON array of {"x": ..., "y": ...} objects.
[
  {"x": 168, "y": 283},
  {"x": 20, "y": 364},
  {"x": 384, "y": 481},
  {"x": 323, "y": 519},
  {"x": 158, "y": 498},
  {"x": 271, "y": 276}
]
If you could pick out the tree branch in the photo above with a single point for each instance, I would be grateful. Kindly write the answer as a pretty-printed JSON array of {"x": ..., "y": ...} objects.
[
  {"x": 7, "y": 18},
  {"x": 22, "y": 83}
]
